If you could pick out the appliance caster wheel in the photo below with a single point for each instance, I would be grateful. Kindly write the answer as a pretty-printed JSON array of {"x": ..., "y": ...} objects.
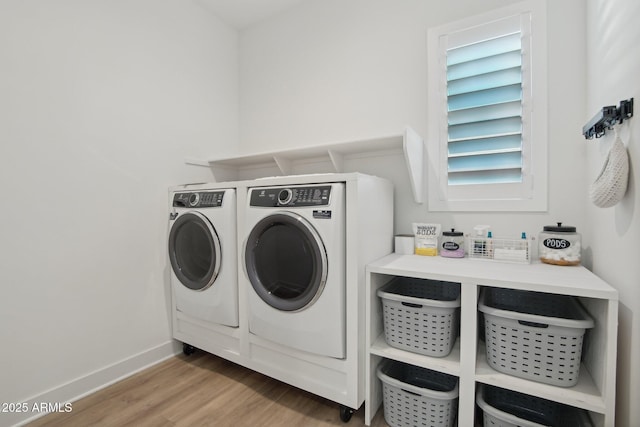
[
  {"x": 345, "y": 413},
  {"x": 187, "y": 349}
]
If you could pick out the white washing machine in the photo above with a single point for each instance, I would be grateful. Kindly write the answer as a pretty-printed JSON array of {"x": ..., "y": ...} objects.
[
  {"x": 202, "y": 253},
  {"x": 294, "y": 258}
]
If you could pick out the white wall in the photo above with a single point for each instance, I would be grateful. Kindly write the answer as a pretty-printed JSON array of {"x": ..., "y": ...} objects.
[
  {"x": 336, "y": 70},
  {"x": 100, "y": 102},
  {"x": 613, "y": 234}
]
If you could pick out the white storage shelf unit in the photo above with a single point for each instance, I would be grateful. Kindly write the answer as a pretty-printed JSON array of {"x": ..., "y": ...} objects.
[{"x": 595, "y": 390}]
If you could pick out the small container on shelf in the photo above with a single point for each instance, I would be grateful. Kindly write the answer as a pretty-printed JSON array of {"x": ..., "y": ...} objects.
[
  {"x": 416, "y": 396},
  {"x": 421, "y": 315},
  {"x": 559, "y": 245},
  {"x": 452, "y": 244},
  {"x": 506, "y": 408},
  {"x": 426, "y": 238},
  {"x": 501, "y": 249},
  {"x": 404, "y": 244},
  {"x": 544, "y": 331},
  {"x": 478, "y": 242}
]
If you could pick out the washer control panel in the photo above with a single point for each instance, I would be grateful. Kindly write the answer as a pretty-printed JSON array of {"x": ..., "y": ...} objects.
[
  {"x": 313, "y": 195},
  {"x": 202, "y": 199}
]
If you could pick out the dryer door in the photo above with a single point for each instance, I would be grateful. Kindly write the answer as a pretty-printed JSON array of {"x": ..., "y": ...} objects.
[
  {"x": 194, "y": 251},
  {"x": 286, "y": 261}
]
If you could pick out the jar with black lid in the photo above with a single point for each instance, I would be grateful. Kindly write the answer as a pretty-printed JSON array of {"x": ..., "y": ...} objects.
[
  {"x": 452, "y": 244},
  {"x": 559, "y": 245}
]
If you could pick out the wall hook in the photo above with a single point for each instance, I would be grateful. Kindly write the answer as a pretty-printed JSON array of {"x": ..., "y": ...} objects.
[{"x": 607, "y": 118}]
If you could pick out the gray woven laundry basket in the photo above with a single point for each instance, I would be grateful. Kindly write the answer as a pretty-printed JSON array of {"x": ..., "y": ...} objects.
[
  {"x": 420, "y": 315},
  {"x": 507, "y": 408},
  {"x": 534, "y": 335},
  {"x": 417, "y": 397}
]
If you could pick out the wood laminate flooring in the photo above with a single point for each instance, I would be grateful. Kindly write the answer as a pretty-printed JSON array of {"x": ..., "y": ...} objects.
[{"x": 202, "y": 390}]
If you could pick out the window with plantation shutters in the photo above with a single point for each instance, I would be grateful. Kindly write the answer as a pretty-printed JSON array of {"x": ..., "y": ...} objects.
[
  {"x": 484, "y": 151},
  {"x": 484, "y": 104}
]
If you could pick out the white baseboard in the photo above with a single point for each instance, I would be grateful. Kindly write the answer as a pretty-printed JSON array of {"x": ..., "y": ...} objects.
[{"x": 83, "y": 386}]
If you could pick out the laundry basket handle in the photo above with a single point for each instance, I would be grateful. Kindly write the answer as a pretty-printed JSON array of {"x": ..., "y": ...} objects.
[
  {"x": 533, "y": 324},
  {"x": 410, "y": 304}
]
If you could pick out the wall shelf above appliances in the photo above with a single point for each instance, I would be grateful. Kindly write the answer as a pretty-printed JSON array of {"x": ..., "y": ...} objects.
[{"x": 329, "y": 158}]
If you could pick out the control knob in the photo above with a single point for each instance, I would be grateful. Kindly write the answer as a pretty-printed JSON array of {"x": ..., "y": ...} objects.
[
  {"x": 194, "y": 198},
  {"x": 285, "y": 196}
]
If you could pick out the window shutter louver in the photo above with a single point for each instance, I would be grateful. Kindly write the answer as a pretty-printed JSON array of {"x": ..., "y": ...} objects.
[{"x": 484, "y": 111}]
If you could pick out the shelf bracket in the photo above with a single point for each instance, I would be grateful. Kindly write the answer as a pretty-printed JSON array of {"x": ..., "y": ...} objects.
[
  {"x": 337, "y": 160},
  {"x": 284, "y": 164},
  {"x": 413, "y": 148}
]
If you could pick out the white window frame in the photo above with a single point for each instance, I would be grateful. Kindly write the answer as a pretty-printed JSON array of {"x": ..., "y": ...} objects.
[{"x": 531, "y": 195}]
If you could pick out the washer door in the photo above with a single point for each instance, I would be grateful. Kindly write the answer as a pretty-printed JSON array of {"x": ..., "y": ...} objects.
[
  {"x": 194, "y": 251},
  {"x": 286, "y": 261}
]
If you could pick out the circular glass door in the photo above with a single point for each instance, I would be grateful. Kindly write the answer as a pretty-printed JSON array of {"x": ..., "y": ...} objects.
[
  {"x": 194, "y": 251},
  {"x": 286, "y": 261}
]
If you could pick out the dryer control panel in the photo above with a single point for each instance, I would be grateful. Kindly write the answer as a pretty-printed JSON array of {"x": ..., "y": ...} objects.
[
  {"x": 316, "y": 195},
  {"x": 203, "y": 199}
]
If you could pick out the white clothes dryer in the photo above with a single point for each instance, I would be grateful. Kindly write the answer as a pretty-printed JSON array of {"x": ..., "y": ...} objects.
[
  {"x": 202, "y": 252},
  {"x": 294, "y": 258}
]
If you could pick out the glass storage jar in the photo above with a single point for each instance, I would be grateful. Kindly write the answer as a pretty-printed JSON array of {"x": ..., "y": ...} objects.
[
  {"x": 452, "y": 244},
  {"x": 559, "y": 245}
]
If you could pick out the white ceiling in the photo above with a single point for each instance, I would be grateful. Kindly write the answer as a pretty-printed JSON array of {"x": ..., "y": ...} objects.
[{"x": 244, "y": 13}]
